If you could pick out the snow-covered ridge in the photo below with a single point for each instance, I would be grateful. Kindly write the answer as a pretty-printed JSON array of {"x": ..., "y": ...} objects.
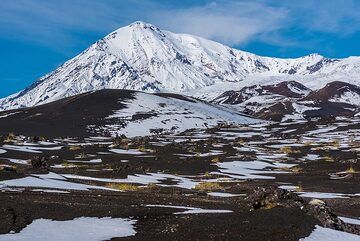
[
  {"x": 292, "y": 100},
  {"x": 147, "y": 114},
  {"x": 143, "y": 57},
  {"x": 118, "y": 112}
]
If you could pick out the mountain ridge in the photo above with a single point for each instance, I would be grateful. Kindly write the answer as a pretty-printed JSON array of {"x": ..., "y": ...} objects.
[{"x": 143, "y": 57}]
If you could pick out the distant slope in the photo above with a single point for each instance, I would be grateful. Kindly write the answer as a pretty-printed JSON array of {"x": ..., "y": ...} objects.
[
  {"x": 292, "y": 100},
  {"x": 116, "y": 112},
  {"x": 145, "y": 58}
]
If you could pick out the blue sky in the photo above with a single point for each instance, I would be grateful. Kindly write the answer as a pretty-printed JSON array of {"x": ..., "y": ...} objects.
[{"x": 36, "y": 36}]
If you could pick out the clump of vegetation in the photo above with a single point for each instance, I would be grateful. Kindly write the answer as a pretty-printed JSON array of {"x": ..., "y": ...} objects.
[
  {"x": 299, "y": 188},
  {"x": 121, "y": 141},
  {"x": 353, "y": 143},
  {"x": 123, "y": 186},
  {"x": 72, "y": 165},
  {"x": 39, "y": 162},
  {"x": 240, "y": 141},
  {"x": 81, "y": 155},
  {"x": 335, "y": 144},
  {"x": 207, "y": 174},
  {"x": 37, "y": 138},
  {"x": 142, "y": 148},
  {"x": 10, "y": 137},
  {"x": 351, "y": 170},
  {"x": 269, "y": 205},
  {"x": 208, "y": 186},
  {"x": 215, "y": 160},
  {"x": 288, "y": 150},
  {"x": 296, "y": 169},
  {"x": 309, "y": 143},
  {"x": 328, "y": 158},
  {"x": 152, "y": 186},
  {"x": 74, "y": 147},
  {"x": 8, "y": 168}
]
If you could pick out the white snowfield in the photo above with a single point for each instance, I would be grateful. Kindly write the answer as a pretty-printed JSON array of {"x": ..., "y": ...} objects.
[
  {"x": 349, "y": 97},
  {"x": 78, "y": 229},
  {"x": 170, "y": 115},
  {"x": 143, "y": 57},
  {"x": 326, "y": 234}
]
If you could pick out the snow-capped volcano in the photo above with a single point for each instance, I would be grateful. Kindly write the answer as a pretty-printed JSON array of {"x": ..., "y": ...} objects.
[{"x": 143, "y": 57}]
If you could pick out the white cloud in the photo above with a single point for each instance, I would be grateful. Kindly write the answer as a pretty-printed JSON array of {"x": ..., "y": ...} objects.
[
  {"x": 62, "y": 24},
  {"x": 327, "y": 16},
  {"x": 230, "y": 22}
]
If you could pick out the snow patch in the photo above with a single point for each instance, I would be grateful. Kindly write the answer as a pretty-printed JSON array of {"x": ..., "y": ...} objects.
[
  {"x": 78, "y": 229},
  {"x": 322, "y": 234}
]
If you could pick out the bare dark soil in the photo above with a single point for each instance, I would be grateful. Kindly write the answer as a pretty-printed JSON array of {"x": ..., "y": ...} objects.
[{"x": 309, "y": 159}]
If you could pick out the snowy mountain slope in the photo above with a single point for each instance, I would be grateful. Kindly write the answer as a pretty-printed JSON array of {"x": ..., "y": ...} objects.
[
  {"x": 116, "y": 112},
  {"x": 292, "y": 100},
  {"x": 143, "y": 57},
  {"x": 148, "y": 114},
  {"x": 337, "y": 91},
  {"x": 285, "y": 89}
]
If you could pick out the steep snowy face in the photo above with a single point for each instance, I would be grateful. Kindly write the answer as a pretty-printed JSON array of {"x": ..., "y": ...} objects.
[{"x": 143, "y": 57}]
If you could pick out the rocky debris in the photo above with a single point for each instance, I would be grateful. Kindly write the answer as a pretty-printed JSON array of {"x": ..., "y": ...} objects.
[
  {"x": 36, "y": 139},
  {"x": 40, "y": 162},
  {"x": 122, "y": 168},
  {"x": 121, "y": 141},
  {"x": 270, "y": 197},
  {"x": 13, "y": 220}
]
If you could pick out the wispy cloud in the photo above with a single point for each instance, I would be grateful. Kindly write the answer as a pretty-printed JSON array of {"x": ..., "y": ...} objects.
[
  {"x": 230, "y": 22},
  {"x": 63, "y": 23},
  {"x": 328, "y": 16}
]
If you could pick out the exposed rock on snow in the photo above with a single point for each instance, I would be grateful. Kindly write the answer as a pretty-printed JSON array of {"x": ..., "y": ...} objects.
[{"x": 292, "y": 100}]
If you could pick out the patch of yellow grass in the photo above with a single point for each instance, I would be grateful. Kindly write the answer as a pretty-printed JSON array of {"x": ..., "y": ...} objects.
[
  {"x": 308, "y": 143},
  {"x": 328, "y": 159},
  {"x": 299, "y": 189},
  {"x": 335, "y": 143},
  {"x": 351, "y": 169},
  {"x": 142, "y": 148},
  {"x": 288, "y": 150},
  {"x": 240, "y": 141},
  {"x": 215, "y": 160},
  {"x": 2, "y": 167},
  {"x": 74, "y": 148},
  {"x": 9, "y": 137},
  {"x": 73, "y": 164},
  {"x": 270, "y": 205},
  {"x": 207, "y": 174},
  {"x": 152, "y": 186},
  {"x": 208, "y": 186},
  {"x": 81, "y": 155},
  {"x": 123, "y": 186},
  {"x": 296, "y": 169}
]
